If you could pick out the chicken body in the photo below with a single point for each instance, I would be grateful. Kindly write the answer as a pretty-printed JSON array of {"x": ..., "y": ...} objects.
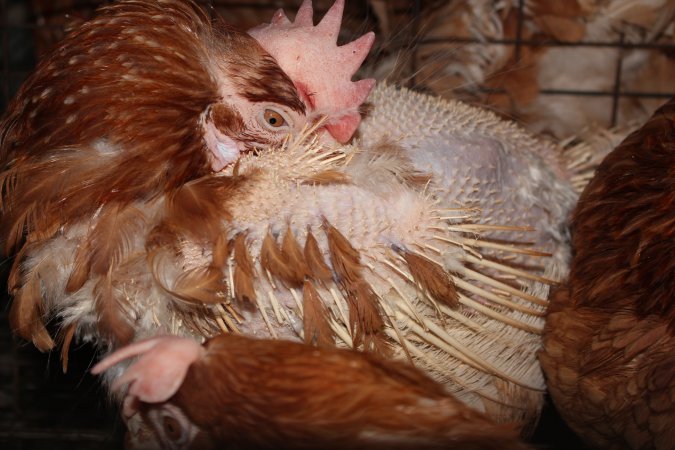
[
  {"x": 131, "y": 106},
  {"x": 383, "y": 207},
  {"x": 359, "y": 212},
  {"x": 242, "y": 393},
  {"x": 609, "y": 343},
  {"x": 488, "y": 184}
]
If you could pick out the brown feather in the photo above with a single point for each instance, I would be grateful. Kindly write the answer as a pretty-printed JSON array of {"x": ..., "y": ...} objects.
[
  {"x": 273, "y": 260},
  {"x": 204, "y": 284},
  {"x": 386, "y": 159},
  {"x": 315, "y": 315},
  {"x": 15, "y": 230},
  {"x": 34, "y": 192},
  {"x": 328, "y": 177},
  {"x": 350, "y": 400},
  {"x": 113, "y": 321},
  {"x": 270, "y": 255},
  {"x": 432, "y": 278},
  {"x": 15, "y": 278},
  {"x": 623, "y": 226},
  {"x": 244, "y": 273},
  {"x": 241, "y": 255},
  {"x": 67, "y": 338},
  {"x": 114, "y": 116},
  {"x": 200, "y": 285},
  {"x": 79, "y": 274},
  {"x": 107, "y": 243},
  {"x": 198, "y": 318},
  {"x": 113, "y": 235},
  {"x": 161, "y": 238},
  {"x": 244, "y": 288},
  {"x": 365, "y": 318},
  {"x": 290, "y": 249},
  {"x": 344, "y": 256},
  {"x": 25, "y": 315},
  {"x": 406, "y": 171},
  {"x": 220, "y": 252},
  {"x": 188, "y": 91},
  {"x": 203, "y": 201},
  {"x": 609, "y": 342},
  {"x": 316, "y": 265}
]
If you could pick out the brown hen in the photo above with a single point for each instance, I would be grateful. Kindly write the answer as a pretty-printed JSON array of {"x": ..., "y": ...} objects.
[
  {"x": 131, "y": 107},
  {"x": 239, "y": 392},
  {"x": 609, "y": 343}
]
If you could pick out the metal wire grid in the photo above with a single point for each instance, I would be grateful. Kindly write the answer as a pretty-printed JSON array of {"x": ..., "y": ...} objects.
[
  {"x": 616, "y": 93},
  {"x": 40, "y": 406},
  {"x": 18, "y": 56}
]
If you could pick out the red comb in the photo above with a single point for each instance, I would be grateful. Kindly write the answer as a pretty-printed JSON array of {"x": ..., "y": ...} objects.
[{"x": 320, "y": 69}]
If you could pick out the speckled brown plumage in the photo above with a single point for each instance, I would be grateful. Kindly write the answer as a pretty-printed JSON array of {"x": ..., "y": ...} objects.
[
  {"x": 609, "y": 345},
  {"x": 115, "y": 116},
  {"x": 100, "y": 84}
]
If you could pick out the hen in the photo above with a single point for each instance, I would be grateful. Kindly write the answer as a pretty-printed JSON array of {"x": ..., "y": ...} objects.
[
  {"x": 133, "y": 106},
  {"x": 609, "y": 341},
  {"x": 248, "y": 393}
]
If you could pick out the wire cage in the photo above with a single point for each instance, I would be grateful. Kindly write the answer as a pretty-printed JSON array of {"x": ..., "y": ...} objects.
[{"x": 430, "y": 45}]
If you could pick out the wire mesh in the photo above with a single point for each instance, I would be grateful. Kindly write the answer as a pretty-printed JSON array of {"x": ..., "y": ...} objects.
[{"x": 616, "y": 92}]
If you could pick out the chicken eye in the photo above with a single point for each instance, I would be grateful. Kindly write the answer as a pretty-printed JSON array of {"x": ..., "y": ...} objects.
[
  {"x": 172, "y": 428},
  {"x": 273, "y": 118}
]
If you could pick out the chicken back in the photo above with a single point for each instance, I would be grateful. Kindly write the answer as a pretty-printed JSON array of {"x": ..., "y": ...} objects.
[{"x": 609, "y": 341}]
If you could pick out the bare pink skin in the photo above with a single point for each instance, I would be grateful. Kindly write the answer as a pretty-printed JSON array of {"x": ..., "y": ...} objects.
[
  {"x": 320, "y": 69},
  {"x": 158, "y": 373}
]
